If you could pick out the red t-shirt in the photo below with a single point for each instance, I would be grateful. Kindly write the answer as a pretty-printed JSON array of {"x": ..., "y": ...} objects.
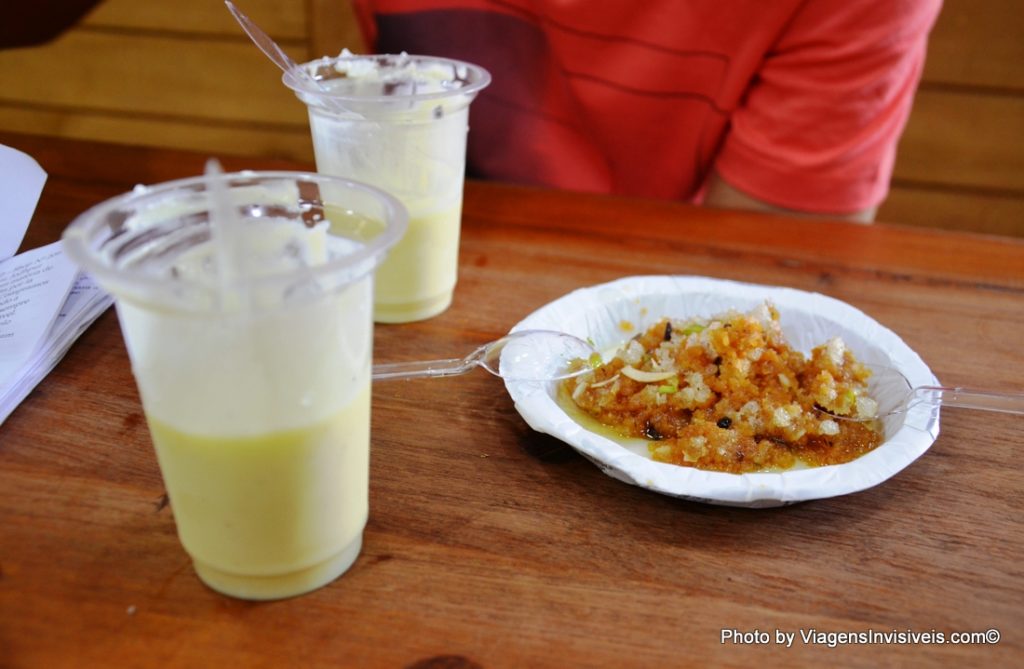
[{"x": 799, "y": 103}]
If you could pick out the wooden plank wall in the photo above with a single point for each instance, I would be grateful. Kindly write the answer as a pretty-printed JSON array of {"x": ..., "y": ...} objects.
[
  {"x": 961, "y": 159},
  {"x": 181, "y": 73},
  {"x": 174, "y": 72}
]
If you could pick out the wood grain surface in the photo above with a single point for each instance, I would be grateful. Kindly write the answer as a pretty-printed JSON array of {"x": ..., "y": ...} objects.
[{"x": 490, "y": 545}]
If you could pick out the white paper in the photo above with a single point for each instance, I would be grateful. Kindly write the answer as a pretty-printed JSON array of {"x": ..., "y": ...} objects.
[
  {"x": 33, "y": 287},
  {"x": 45, "y": 302},
  {"x": 21, "y": 183},
  {"x": 807, "y": 319},
  {"x": 84, "y": 304}
]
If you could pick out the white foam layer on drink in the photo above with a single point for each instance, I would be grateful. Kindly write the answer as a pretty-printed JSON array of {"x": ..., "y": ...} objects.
[
  {"x": 421, "y": 164},
  {"x": 265, "y": 360},
  {"x": 399, "y": 76}
]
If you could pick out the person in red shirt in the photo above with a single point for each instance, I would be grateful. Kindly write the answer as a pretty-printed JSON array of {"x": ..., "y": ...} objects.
[{"x": 792, "y": 105}]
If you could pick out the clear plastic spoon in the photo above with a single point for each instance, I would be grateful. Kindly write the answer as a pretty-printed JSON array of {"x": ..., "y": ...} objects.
[
  {"x": 276, "y": 54},
  {"x": 526, "y": 355},
  {"x": 895, "y": 395}
]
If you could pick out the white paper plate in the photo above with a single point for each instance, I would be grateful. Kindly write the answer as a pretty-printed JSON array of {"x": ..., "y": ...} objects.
[{"x": 807, "y": 319}]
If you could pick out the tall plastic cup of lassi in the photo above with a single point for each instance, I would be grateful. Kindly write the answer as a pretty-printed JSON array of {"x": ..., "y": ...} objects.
[
  {"x": 246, "y": 302},
  {"x": 400, "y": 122}
]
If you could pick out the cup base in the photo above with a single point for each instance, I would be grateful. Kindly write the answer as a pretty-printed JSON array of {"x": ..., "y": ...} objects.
[
  {"x": 282, "y": 586},
  {"x": 407, "y": 312}
]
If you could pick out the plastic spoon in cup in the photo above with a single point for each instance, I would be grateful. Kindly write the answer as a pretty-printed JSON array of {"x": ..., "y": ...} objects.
[
  {"x": 276, "y": 54},
  {"x": 896, "y": 395},
  {"x": 526, "y": 355}
]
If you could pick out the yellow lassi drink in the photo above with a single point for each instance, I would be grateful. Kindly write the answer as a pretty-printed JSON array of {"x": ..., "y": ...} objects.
[
  {"x": 400, "y": 123},
  {"x": 251, "y": 345},
  {"x": 260, "y": 420},
  {"x": 420, "y": 273},
  {"x": 419, "y": 279},
  {"x": 275, "y": 514}
]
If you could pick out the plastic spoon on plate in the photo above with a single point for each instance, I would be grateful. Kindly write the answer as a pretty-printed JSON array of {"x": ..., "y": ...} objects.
[
  {"x": 899, "y": 396},
  {"x": 526, "y": 355}
]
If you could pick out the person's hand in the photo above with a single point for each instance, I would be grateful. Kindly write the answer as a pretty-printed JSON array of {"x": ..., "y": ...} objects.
[{"x": 35, "y": 22}]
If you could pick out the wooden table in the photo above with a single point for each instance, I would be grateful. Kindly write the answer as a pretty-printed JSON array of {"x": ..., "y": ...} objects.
[{"x": 489, "y": 545}]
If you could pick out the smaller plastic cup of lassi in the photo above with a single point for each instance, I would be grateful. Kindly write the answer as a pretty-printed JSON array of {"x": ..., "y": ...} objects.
[
  {"x": 246, "y": 302},
  {"x": 400, "y": 122}
]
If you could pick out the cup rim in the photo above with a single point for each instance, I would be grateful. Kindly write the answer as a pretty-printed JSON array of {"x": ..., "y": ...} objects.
[
  {"x": 77, "y": 238},
  {"x": 482, "y": 78}
]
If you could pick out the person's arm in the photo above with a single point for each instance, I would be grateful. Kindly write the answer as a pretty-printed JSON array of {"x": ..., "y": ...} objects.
[
  {"x": 721, "y": 194},
  {"x": 817, "y": 128},
  {"x": 35, "y": 22}
]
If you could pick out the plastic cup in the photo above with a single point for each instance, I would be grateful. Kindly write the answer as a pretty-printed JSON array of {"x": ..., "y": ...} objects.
[
  {"x": 251, "y": 348},
  {"x": 400, "y": 123}
]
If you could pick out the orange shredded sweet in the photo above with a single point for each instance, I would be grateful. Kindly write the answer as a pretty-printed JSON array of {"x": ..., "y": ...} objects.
[{"x": 729, "y": 394}]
